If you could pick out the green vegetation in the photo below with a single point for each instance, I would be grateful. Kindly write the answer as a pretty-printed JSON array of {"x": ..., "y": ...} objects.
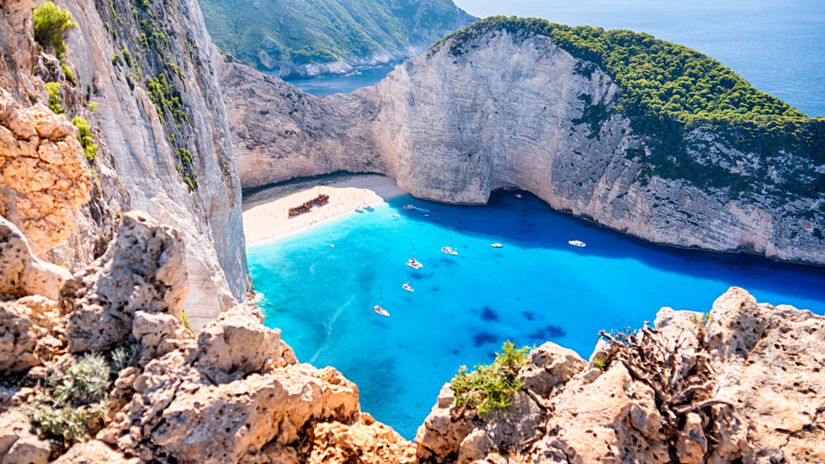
[
  {"x": 186, "y": 322},
  {"x": 600, "y": 364},
  {"x": 85, "y": 138},
  {"x": 50, "y": 26},
  {"x": 321, "y": 31},
  {"x": 68, "y": 72},
  {"x": 668, "y": 90},
  {"x": 55, "y": 97},
  {"x": 490, "y": 386},
  {"x": 74, "y": 399}
]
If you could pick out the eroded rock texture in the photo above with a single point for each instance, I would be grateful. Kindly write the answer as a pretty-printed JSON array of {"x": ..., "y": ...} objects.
[
  {"x": 516, "y": 111},
  {"x": 735, "y": 387}
]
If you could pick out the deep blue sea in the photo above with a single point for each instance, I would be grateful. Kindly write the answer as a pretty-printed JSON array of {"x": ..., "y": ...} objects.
[
  {"x": 535, "y": 288},
  {"x": 777, "y": 45}
]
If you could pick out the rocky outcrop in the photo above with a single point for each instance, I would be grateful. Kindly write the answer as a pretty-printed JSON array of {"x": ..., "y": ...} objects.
[
  {"x": 233, "y": 393},
  {"x": 156, "y": 116},
  {"x": 736, "y": 385},
  {"x": 516, "y": 111}
]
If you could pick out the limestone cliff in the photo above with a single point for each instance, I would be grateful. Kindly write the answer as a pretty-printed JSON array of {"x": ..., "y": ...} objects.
[
  {"x": 514, "y": 110},
  {"x": 142, "y": 75}
]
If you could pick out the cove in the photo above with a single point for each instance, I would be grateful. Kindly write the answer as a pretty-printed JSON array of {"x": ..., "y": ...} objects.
[{"x": 535, "y": 288}]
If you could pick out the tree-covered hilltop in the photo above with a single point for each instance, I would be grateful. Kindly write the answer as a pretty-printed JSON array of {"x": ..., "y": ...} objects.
[
  {"x": 268, "y": 33},
  {"x": 668, "y": 90}
]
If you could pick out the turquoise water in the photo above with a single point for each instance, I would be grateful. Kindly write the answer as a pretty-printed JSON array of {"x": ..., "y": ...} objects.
[
  {"x": 328, "y": 84},
  {"x": 778, "y": 46},
  {"x": 535, "y": 288}
]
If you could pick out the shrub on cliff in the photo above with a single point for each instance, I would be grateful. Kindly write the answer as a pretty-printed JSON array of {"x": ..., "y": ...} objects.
[
  {"x": 490, "y": 386},
  {"x": 55, "y": 97},
  {"x": 50, "y": 26},
  {"x": 85, "y": 138},
  {"x": 74, "y": 398}
]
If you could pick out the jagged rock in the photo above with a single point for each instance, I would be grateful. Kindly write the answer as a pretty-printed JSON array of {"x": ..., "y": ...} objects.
[
  {"x": 225, "y": 344},
  {"x": 22, "y": 273},
  {"x": 93, "y": 452},
  {"x": 143, "y": 270},
  {"x": 18, "y": 443},
  {"x": 45, "y": 177},
  {"x": 17, "y": 340},
  {"x": 365, "y": 442},
  {"x": 762, "y": 361},
  {"x": 549, "y": 366}
]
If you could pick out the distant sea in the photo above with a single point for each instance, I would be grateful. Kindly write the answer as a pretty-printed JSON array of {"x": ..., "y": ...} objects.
[
  {"x": 777, "y": 45},
  {"x": 536, "y": 288}
]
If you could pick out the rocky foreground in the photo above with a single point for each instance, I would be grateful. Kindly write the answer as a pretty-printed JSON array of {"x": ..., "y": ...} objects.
[{"x": 742, "y": 384}]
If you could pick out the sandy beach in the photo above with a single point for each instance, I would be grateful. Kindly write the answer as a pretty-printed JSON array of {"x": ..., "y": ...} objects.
[{"x": 266, "y": 211}]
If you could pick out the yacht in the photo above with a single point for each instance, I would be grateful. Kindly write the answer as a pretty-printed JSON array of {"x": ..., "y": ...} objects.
[
  {"x": 380, "y": 311},
  {"x": 408, "y": 288},
  {"x": 496, "y": 245},
  {"x": 414, "y": 264},
  {"x": 449, "y": 250},
  {"x": 577, "y": 243}
]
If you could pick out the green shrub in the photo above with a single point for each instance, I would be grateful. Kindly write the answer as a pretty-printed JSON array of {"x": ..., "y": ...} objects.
[
  {"x": 186, "y": 322},
  {"x": 86, "y": 138},
  {"x": 490, "y": 386},
  {"x": 127, "y": 57},
  {"x": 55, "y": 98},
  {"x": 92, "y": 106},
  {"x": 116, "y": 61},
  {"x": 50, "y": 26},
  {"x": 73, "y": 399},
  {"x": 68, "y": 72}
]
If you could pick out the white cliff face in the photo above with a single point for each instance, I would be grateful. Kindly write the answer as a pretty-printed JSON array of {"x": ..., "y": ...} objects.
[
  {"x": 512, "y": 113},
  {"x": 136, "y": 150}
]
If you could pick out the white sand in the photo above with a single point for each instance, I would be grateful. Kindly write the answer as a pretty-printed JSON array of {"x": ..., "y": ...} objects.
[{"x": 268, "y": 218}]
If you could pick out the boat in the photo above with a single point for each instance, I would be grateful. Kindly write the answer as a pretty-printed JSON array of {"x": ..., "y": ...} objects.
[
  {"x": 414, "y": 264},
  {"x": 408, "y": 207},
  {"x": 396, "y": 215},
  {"x": 359, "y": 210},
  {"x": 423, "y": 210},
  {"x": 577, "y": 243},
  {"x": 449, "y": 250},
  {"x": 408, "y": 288},
  {"x": 380, "y": 311},
  {"x": 369, "y": 208},
  {"x": 517, "y": 195},
  {"x": 496, "y": 245}
]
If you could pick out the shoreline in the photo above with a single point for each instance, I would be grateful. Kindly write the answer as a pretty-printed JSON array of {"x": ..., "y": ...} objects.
[{"x": 266, "y": 210}]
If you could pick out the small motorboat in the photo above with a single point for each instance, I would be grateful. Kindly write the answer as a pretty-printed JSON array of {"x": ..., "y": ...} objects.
[
  {"x": 577, "y": 243},
  {"x": 359, "y": 210},
  {"x": 517, "y": 195},
  {"x": 332, "y": 245},
  {"x": 396, "y": 215},
  {"x": 496, "y": 245},
  {"x": 423, "y": 210},
  {"x": 414, "y": 264},
  {"x": 369, "y": 208},
  {"x": 408, "y": 207},
  {"x": 380, "y": 311},
  {"x": 449, "y": 250},
  {"x": 408, "y": 288}
]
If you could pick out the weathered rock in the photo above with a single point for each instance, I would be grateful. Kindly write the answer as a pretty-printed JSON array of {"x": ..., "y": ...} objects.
[
  {"x": 549, "y": 366},
  {"x": 44, "y": 172},
  {"x": 366, "y": 442},
  {"x": 22, "y": 273},
  {"x": 225, "y": 344},
  {"x": 18, "y": 442},
  {"x": 143, "y": 270},
  {"x": 93, "y": 452}
]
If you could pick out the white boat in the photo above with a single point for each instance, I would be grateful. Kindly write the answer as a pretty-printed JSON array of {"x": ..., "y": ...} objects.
[
  {"x": 369, "y": 208},
  {"x": 517, "y": 195},
  {"x": 408, "y": 207},
  {"x": 408, "y": 288},
  {"x": 380, "y": 311},
  {"x": 577, "y": 243},
  {"x": 449, "y": 250},
  {"x": 359, "y": 210},
  {"x": 414, "y": 264},
  {"x": 496, "y": 245}
]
